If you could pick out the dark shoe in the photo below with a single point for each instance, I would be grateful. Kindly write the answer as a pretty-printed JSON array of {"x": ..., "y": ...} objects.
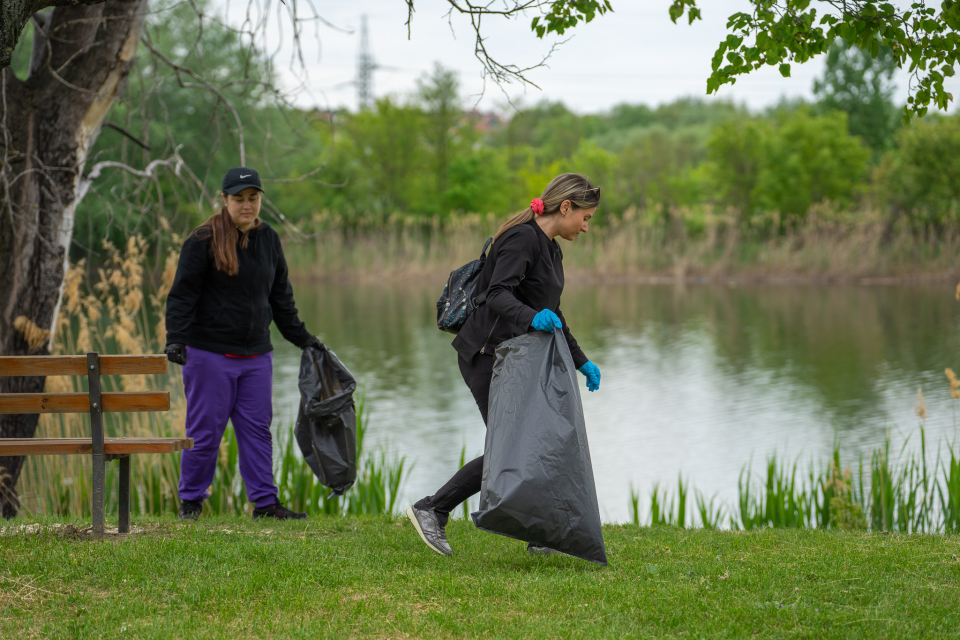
[
  {"x": 190, "y": 509},
  {"x": 535, "y": 549},
  {"x": 433, "y": 534},
  {"x": 277, "y": 511}
]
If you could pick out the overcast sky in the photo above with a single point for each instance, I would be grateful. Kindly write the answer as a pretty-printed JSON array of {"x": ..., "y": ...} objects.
[{"x": 633, "y": 55}]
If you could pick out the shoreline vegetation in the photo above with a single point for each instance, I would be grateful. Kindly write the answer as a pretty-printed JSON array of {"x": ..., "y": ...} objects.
[
  {"x": 693, "y": 245},
  {"x": 909, "y": 492}
]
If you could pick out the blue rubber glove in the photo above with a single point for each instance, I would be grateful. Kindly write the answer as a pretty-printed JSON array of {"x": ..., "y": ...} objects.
[
  {"x": 547, "y": 321},
  {"x": 593, "y": 375}
]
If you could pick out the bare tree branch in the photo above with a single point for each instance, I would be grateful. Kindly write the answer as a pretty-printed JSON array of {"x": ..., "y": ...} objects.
[
  {"x": 204, "y": 84},
  {"x": 113, "y": 125}
]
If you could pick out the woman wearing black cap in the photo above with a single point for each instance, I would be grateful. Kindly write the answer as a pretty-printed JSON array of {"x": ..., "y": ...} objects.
[{"x": 231, "y": 282}]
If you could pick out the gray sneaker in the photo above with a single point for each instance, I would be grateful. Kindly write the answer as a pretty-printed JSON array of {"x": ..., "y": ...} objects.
[{"x": 433, "y": 534}]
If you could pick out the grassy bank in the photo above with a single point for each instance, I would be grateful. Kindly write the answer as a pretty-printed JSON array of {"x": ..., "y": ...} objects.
[
  {"x": 356, "y": 577},
  {"x": 686, "y": 244}
]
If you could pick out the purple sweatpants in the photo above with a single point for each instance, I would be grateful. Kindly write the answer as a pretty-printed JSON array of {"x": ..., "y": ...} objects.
[{"x": 219, "y": 388}]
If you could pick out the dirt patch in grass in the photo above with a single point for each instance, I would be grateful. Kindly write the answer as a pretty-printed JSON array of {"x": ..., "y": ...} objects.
[{"x": 75, "y": 532}]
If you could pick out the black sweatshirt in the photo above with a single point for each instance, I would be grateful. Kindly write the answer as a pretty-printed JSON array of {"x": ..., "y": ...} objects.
[
  {"x": 210, "y": 310},
  {"x": 523, "y": 275}
]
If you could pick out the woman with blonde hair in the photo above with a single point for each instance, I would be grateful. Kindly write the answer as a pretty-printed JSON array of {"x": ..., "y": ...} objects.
[{"x": 523, "y": 280}]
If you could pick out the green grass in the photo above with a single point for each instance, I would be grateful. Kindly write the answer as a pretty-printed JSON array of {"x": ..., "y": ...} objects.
[{"x": 333, "y": 577}]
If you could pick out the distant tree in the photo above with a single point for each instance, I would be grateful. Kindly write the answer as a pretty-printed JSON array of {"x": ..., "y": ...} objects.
[
  {"x": 738, "y": 151},
  {"x": 921, "y": 178},
  {"x": 626, "y": 116},
  {"x": 438, "y": 92},
  {"x": 861, "y": 86},
  {"x": 788, "y": 164},
  {"x": 479, "y": 183},
  {"x": 809, "y": 159},
  {"x": 387, "y": 140},
  {"x": 549, "y": 128}
]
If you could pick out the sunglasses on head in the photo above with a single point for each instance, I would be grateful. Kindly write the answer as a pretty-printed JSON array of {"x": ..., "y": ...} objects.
[{"x": 593, "y": 193}]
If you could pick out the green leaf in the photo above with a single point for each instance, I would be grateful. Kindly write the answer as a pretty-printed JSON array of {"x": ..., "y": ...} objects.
[
  {"x": 717, "y": 59},
  {"x": 785, "y": 70},
  {"x": 676, "y": 10}
]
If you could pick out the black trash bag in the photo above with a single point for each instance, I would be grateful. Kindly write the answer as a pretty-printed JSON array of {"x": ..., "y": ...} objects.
[
  {"x": 326, "y": 428},
  {"x": 537, "y": 481}
]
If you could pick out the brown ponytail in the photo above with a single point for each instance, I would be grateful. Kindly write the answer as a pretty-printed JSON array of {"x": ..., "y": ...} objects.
[
  {"x": 223, "y": 246},
  {"x": 566, "y": 186}
]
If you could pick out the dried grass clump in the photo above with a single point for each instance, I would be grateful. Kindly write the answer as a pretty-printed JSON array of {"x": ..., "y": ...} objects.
[
  {"x": 34, "y": 336},
  {"x": 700, "y": 242},
  {"x": 954, "y": 384},
  {"x": 109, "y": 317}
]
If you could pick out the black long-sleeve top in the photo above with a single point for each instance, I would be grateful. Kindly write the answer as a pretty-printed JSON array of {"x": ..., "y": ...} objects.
[
  {"x": 522, "y": 276},
  {"x": 210, "y": 310}
]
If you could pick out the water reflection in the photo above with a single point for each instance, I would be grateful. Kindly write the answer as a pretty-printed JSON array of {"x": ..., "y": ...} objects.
[{"x": 696, "y": 379}]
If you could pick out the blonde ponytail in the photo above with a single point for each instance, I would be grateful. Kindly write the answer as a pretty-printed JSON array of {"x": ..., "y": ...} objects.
[{"x": 567, "y": 186}]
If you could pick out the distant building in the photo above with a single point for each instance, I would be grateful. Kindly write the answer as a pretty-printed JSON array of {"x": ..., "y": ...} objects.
[{"x": 484, "y": 122}]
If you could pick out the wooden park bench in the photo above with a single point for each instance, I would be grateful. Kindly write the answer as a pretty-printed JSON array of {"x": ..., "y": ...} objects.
[{"x": 96, "y": 402}]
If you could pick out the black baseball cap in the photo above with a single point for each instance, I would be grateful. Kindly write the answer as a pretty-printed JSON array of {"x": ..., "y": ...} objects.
[{"x": 240, "y": 178}]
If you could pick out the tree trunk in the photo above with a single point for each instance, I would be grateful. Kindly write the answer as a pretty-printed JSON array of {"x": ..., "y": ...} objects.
[{"x": 48, "y": 125}]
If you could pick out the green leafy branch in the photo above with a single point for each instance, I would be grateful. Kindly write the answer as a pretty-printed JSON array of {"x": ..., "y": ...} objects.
[
  {"x": 565, "y": 14},
  {"x": 924, "y": 40}
]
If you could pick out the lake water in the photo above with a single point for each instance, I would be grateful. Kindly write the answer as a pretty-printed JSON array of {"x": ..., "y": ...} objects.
[{"x": 697, "y": 380}]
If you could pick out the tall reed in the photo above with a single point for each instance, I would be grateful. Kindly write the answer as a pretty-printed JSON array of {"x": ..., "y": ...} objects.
[
  {"x": 949, "y": 492},
  {"x": 903, "y": 493}
]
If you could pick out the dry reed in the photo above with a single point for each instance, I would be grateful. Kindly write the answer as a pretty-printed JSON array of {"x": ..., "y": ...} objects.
[
  {"x": 61, "y": 484},
  {"x": 689, "y": 243}
]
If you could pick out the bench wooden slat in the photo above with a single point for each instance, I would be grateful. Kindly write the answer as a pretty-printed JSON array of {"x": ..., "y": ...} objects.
[
  {"x": 77, "y": 446},
  {"x": 77, "y": 365},
  {"x": 113, "y": 402}
]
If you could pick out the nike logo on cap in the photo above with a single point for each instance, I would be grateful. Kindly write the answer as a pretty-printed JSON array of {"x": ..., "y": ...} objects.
[{"x": 246, "y": 176}]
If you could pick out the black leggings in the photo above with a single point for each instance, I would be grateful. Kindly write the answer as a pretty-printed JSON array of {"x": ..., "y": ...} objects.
[{"x": 466, "y": 481}]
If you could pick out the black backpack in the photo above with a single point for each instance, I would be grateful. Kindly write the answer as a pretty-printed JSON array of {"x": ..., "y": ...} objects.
[{"x": 458, "y": 301}]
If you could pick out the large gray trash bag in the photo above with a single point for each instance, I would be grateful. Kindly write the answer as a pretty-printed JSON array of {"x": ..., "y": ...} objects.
[
  {"x": 537, "y": 481},
  {"x": 327, "y": 420}
]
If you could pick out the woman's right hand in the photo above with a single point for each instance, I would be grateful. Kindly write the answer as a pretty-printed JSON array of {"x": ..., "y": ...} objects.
[
  {"x": 176, "y": 353},
  {"x": 547, "y": 321}
]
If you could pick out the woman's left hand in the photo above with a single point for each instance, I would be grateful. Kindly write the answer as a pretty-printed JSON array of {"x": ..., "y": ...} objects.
[
  {"x": 314, "y": 342},
  {"x": 593, "y": 375}
]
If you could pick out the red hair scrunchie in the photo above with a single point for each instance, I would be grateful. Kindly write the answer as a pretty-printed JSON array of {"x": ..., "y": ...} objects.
[{"x": 537, "y": 205}]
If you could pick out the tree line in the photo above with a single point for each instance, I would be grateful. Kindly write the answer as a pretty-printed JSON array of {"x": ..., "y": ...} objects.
[{"x": 429, "y": 155}]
